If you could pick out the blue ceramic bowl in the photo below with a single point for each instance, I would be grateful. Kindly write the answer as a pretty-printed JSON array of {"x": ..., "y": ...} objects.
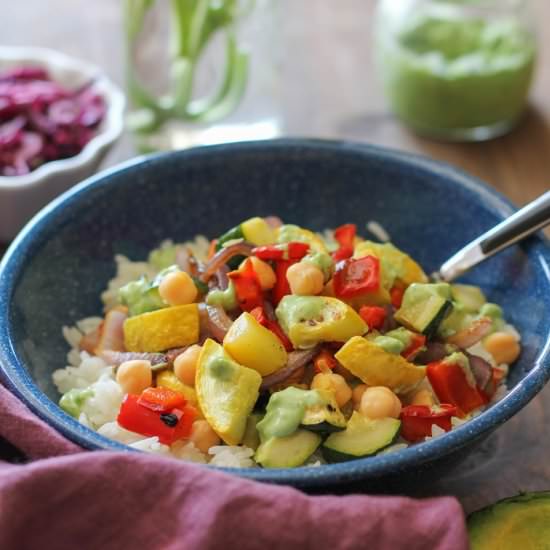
[{"x": 54, "y": 272}]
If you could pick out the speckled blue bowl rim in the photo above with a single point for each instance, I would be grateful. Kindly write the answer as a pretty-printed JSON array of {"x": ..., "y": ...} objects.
[{"x": 17, "y": 378}]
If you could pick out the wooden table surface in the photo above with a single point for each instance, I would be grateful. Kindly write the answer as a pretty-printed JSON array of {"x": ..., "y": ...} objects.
[{"x": 329, "y": 89}]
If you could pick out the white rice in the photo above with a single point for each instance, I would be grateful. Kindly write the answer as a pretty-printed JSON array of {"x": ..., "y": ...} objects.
[
  {"x": 316, "y": 459},
  {"x": 186, "y": 450},
  {"x": 113, "y": 430},
  {"x": 151, "y": 445},
  {"x": 126, "y": 272},
  {"x": 86, "y": 373},
  {"x": 232, "y": 456},
  {"x": 104, "y": 404}
]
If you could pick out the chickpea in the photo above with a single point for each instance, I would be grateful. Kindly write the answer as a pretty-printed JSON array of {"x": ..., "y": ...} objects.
[
  {"x": 305, "y": 279},
  {"x": 423, "y": 397},
  {"x": 357, "y": 394},
  {"x": 203, "y": 436},
  {"x": 178, "y": 289},
  {"x": 134, "y": 376},
  {"x": 380, "y": 402},
  {"x": 185, "y": 364},
  {"x": 265, "y": 273},
  {"x": 333, "y": 383},
  {"x": 503, "y": 346}
]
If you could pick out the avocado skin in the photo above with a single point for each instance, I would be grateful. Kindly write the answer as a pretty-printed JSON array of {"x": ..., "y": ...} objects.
[{"x": 517, "y": 523}]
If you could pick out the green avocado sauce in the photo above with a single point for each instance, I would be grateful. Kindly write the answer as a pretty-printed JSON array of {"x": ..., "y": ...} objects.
[
  {"x": 221, "y": 368},
  {"x": 74, "y": 400},
  {"x": 227, "y": 298},
  {"x": 298, "y": 309},
  {"x": 321, "y": 260},
  {"x": 389, "y": 344},
  {"x": 285, "y": 411},
  {"x": 443, "y": 72}
]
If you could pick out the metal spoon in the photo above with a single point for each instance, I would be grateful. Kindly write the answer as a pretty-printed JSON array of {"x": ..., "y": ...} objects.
[{"x": 529, "y": 219}]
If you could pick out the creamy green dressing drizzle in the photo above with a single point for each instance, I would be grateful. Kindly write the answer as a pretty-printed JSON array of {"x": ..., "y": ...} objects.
[{"x": 285, "y": 411}]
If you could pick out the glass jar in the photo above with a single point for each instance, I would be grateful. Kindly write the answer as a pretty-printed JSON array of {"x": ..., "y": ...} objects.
[
  {"x": 457, "y": 70},
  {"x": 201, "y": 72}
]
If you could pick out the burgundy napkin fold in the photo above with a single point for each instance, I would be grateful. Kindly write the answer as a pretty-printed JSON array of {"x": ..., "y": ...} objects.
[{"x": 107, "y": 500}]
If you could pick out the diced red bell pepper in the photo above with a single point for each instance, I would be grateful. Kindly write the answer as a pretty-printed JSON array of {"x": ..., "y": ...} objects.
[
  {"x": 374, "y": 316},
  {"x": 259, "y": 314},
  {"x": 413, "y": 349},
  {"x": 167, "y": 426},
  {"x": 247, "y": 286},
  {"x": 324, "y": 362},
  {"x": 451, "y": 385},
  {"x": 396, "y": 296},
  {"x": 161, "y": 399},
  {"x": 345, "y": 236},
  {"x": 274, "y": 327},
  {"x": 284, "y": 251},
  {"x": 282, "y": 287},
  {"x": 417, "y": 420},
  {"x": 355, "y": 277}
]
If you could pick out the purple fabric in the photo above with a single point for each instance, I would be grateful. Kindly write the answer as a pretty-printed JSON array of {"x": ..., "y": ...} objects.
[{"x": 66, "y": 498}]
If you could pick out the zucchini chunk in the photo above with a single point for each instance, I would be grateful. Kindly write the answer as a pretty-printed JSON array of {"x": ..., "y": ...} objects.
[
  {"x": 362, "y": 437},
  {"x": 424, "y": 307},
  {"x": 287, "y": 452}
]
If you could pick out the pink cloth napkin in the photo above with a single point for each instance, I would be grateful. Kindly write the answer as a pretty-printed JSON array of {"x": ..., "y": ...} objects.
[{"x": 66, "y": 498}]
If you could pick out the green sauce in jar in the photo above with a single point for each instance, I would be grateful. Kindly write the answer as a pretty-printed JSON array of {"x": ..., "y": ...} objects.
[{"x": 456, "y": 77}]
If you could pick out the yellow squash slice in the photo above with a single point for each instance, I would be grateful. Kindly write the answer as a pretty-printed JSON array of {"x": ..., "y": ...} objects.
[
  {"x": 226, "y": 392},
  {"x": 170, "y": 327},
  {"x": 377, "y": 367}
]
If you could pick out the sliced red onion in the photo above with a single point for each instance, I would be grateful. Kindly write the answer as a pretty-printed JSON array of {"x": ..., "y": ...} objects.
[
  {"x": 435, "y": 351},
  {"x": 112, "y": 331},
  {"x": 223, "y": 256},
  {"x": 24, "y": 73},
  {"x": 90, "y": 341},
  {"x": 296, "y": 360},
  {"x": 222, "y": 278},
  {"x": 57, "y": 122},
  {"x": 11, "y": 132},
  {"x": 214, "y": 322},
  {"x": 481, "y": 369},
  {"x": 171, "y": 354},
  {"x": 472, "y": 334},
  {"x": 183, "y": 257},
  {"x": 269, "y": 311},
  {"x": 116, "y": 358},
  {"x": 64, "y": 111},
  {"x": 389, "y": 321}
]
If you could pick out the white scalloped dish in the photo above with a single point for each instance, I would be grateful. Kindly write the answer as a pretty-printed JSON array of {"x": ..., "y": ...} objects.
[{"x": 22, "y": 196}]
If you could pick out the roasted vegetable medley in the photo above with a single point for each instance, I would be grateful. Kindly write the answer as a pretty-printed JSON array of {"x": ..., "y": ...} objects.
[{"x": 293, "y": 347}]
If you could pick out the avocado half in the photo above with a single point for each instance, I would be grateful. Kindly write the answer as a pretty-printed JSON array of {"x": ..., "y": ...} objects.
[{"x": 517, "y": 523}]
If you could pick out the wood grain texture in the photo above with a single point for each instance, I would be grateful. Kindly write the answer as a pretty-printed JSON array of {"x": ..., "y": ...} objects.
[{"x": 329, "y": 89}]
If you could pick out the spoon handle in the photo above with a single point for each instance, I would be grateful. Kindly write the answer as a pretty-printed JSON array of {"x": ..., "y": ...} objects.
[{"x": 529, "y": 219}]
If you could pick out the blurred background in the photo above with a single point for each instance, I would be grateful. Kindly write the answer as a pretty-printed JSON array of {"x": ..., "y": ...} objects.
[{"x": 324, "y": 84}]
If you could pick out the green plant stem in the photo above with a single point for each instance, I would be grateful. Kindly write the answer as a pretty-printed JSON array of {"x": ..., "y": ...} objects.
[{"x": 195, "y": 24}]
